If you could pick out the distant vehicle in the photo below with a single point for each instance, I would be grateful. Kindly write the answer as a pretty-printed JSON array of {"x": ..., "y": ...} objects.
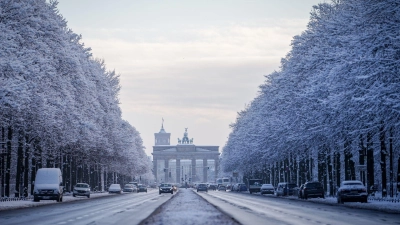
[
  {"x": 48, "y": 185},
  {"x": 267, "y": 189},
  {"x": 165, "y": 188},
  {"x": 142, "y": 188},
  {"x": 239, "y": 187},
  {"x": 242, "y": 187},
  {"x": 129, "y": 188},
  {"x": 212, "y": 187},
  {"x": 235, "y": 187},
  {"x": 254, "y": 185},
  {"x": 202, "y": 187},
  {"x": 115, "y": 188},
  {"x": 81, "y": 189},
  {"x": 218, "y": 181},
  {"x": 221, "y": 187},
  {"x": 284, "y": 189},
  {"x": 224, "y": 181},
  {"x": 134, "y": 183},
  {"x": 352, "y": 191},
  {"x": 312, "y": 189}
]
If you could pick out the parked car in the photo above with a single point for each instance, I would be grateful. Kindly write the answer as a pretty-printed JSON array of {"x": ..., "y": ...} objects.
[
  {"x": 48, "y": 185},
  {"x": 202, "y": 187},
  {"x": 242, "y": 187},
  {"x": 221, "y": 187},
  {"x": 81, "y": 189},
  {"x": 212, "y": 187},
  {"x": 300, "y": 194},
  {"x": 129, "y": 188},
  {"x": 284, "y": 189},
  {"x": 254, "y": 185},
  {"x": 142, "y": 188},
  {"x": 312, "y": 189},
  {"x": 115, "y": 188},
  {"x": 267, "y": 189},
  {"x": 134, "y": 183},
  {"x": 165, "y": 188},
  {"x": 352, "y": 191}
]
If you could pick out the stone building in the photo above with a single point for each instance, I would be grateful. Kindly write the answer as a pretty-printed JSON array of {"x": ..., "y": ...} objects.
[{"x": 184, "y": 162}]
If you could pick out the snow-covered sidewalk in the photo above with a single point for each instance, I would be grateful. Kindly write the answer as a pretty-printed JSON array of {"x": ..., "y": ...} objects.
[
  {"x": 30, "y": 203},
  {"x": 384, "y": 206}
]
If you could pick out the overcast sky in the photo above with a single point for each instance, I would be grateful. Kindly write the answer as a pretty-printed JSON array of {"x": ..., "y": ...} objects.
[{"x": 193, "y": 63}]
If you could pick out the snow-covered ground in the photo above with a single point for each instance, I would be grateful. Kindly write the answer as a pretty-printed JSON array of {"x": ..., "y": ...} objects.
[
  {"x": 30, "y": 203},
  {"x": 376, "y": 204},
  {"x": 189, "y": 209}
]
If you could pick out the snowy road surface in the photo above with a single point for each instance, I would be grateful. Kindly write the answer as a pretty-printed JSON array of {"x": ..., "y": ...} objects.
[
  {"x": 114, "y": 209},
  {"x": 256, "y": 209},
  {"x": 188, "y": 207}
]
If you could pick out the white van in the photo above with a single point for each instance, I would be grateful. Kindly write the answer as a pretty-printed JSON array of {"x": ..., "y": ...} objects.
[{"x": 48, "y": 185}]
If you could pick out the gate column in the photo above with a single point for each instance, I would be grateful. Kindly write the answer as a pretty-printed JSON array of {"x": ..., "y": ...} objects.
[
  {"x": 178, "y": 171},
  {"x": 205, "y": 170},
  {"x": 193, "y": 169}
]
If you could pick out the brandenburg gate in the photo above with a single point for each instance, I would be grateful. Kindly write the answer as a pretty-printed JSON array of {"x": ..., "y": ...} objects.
[{"x": 184, "y": 162}]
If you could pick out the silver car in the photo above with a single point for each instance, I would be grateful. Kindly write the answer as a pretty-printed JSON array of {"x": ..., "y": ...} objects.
[
  {"x": 267, "y": 189},
  {"x": 115, "y": 188},
  {"x": 352, "y": 191},
  {"x": 81, "y": 189}
]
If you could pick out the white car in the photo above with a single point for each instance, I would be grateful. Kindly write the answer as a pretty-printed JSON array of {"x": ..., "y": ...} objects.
[
  {"x": 352, "y": 191},
  {"x": 267, "y": 189},
  {"x": 115, "y": 188},
  {"x": 81, "y": 189}
]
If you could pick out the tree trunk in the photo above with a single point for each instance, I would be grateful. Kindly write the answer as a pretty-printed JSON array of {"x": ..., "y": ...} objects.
[
  {"x": 20, "y": 169},
  {"x": 362, "y": 154},
  {"x": 383, "y": 159},
  {"x": 26, "y": 166},
  {"x": 337, "y": 169},
  {"x": 370, "y": 162},
  {"x": 8, "y": 166},
  {"x": 3, "y": 166}
]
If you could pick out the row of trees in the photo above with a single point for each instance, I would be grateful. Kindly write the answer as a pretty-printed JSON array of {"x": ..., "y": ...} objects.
[
  {"x": 59, "y": 105},
  {"x": 332, "y": 110}
]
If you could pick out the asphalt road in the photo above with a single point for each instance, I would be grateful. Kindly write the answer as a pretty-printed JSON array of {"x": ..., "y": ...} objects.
[
  {"x": 127, "y": 208},
  {"x": 256, "y": 209}
]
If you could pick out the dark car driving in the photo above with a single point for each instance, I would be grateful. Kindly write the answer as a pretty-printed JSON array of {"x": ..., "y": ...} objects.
[
  {"x": 212, "y": 187},
  {"x": 142, "y": 188},
  {"x": 312, "y": 189},
  {"x": 202, "y": 187},
  {"x": 165, "y": 188}
]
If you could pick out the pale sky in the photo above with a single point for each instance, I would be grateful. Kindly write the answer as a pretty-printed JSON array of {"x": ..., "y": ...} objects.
[{"x": 193, "y": 63}]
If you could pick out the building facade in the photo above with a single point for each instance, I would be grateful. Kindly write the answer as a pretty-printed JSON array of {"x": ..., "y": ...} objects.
[{"x": 185, "y": 162}]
